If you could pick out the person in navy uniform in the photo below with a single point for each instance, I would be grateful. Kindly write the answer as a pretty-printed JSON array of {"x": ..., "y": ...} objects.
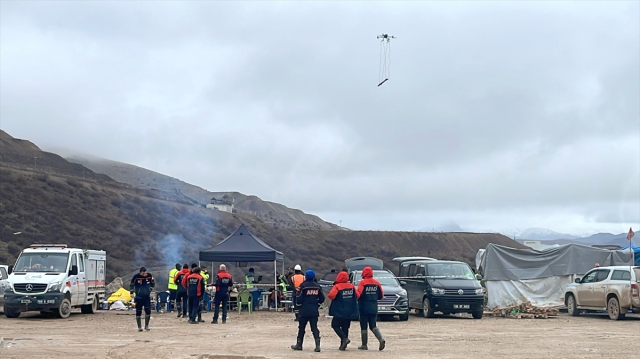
[
  {"x": 369, "y": 293},
  {"x": 224, "y": 283},
  {"x": 140, "y": 288},
  {"x": 309, "y": 298},
  {"x": 195, "y": 290},
  {"x": 344, "y": 307}
]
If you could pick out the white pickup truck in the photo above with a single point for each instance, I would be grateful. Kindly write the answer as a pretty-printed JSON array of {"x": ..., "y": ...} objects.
[{"x": 54, "y": 278}]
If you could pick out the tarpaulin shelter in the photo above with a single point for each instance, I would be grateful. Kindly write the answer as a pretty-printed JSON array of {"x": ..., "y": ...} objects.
[
  {"x": 514, "y": 276},
  {"x": 636, "y": 253},
  {"x": 243, "y": 246},
  {"x": 121, "y": 294}
]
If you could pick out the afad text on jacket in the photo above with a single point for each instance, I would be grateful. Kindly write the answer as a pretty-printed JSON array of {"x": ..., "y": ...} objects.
[
  {"x": 344, "y": 298},
  {"x": 369, "y": 292}
]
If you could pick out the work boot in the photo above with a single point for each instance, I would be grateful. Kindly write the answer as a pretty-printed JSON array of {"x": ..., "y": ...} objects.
[
  {"x": 139, "y": 321},
  {"x": 200, "y": 318},
  {"x": 298, "y": 345},
  {"x": 317, "y": 349},
  {"x": 146, "y": 322},
  {"x": 224, "y": 321},
  {"x": 365, "y": 338},
  {"x": 343, "y": 343},
  {"x": 380, "y": 338},
  {"x": 214, "y": 321}
]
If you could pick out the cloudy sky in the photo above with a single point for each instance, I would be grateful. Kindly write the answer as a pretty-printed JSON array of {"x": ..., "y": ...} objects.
[{"x": 496, "y": 116}]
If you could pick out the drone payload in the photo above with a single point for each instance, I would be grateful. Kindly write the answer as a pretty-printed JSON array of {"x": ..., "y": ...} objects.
[{"x": 385, "y": 58}]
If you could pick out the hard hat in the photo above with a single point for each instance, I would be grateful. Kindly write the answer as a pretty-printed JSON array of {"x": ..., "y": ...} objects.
[{"x": 297, "y": 267}]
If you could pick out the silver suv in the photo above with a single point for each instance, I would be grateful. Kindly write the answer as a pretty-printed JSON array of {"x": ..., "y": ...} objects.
[{"x": 614, "y": 289}]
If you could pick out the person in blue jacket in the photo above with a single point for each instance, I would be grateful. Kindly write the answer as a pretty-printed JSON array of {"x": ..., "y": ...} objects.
[
  {"x": 140, "y": 288},
  {"x": 309, "y": 298}
]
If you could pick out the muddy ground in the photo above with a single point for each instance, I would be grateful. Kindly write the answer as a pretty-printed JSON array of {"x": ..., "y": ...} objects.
[{"x": 109, "y": 334}]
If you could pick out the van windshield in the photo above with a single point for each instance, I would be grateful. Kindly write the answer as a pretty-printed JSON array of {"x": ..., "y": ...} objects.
[
  {"x": 42, "y": 262},
  {"x": 449, "y": 270}
]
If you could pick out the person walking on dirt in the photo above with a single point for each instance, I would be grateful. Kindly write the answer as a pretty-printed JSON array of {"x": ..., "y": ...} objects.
[
  {"x": 195, "y": 290},
  {"x": 344, "y": 307},
  {"x": 224, "y": 283},
  {"x": 181, "y": 292},
  {"x": 309, "y": 298},
  {"x": 172, "y": 286},
  {"x": 198, "y": 308},
  {"x": 369, "y": 293},
  {"x": 140, "y": 288}
]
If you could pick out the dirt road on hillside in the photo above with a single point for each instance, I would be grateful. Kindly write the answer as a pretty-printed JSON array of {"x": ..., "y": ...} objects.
[{"x": 269, "y": 335}]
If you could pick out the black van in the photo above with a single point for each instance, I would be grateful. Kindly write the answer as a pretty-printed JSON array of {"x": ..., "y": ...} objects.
[{"x": 441, "y": 286}]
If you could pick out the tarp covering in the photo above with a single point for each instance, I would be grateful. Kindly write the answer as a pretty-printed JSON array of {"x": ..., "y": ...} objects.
[
  {"x": 120, "y": 294},
  {"x": 543, "y": 292},
  {"x": 504, "y": 263},
  {"x": 241, "y": 246},
  {"x": 636, "y": 251}
]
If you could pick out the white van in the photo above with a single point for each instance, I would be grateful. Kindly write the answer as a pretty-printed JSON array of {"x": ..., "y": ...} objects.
[{"x": 54, "y": 278}]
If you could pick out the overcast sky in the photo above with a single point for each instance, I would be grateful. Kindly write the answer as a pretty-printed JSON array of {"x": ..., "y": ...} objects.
[{"x": 496, "y": 116}]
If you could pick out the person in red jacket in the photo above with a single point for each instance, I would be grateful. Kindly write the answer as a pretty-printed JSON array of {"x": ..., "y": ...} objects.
[
  {"x": 369, "y": 293},
  {"x": 181, "y": 294},
  {"x": 224, "y": 283},
  {"x": 195, "y": 290},
  {"x": 344, "y": 307}
]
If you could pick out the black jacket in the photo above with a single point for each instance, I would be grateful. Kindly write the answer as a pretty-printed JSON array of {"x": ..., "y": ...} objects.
[
  {"x": 142, "y": 286},
  {"x": 309, "y": 298},
  {"x": 344, "y": 299}
]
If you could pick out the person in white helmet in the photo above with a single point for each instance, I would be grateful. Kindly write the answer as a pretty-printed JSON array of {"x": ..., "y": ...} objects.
[{"x": 296, "y": 280}]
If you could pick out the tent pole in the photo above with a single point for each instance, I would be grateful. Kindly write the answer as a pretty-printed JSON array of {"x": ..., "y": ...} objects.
[{"x": 275, "y": 282}]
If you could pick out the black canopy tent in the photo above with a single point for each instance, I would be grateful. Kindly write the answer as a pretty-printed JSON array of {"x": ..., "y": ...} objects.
[{"x": 244, "y": 246}]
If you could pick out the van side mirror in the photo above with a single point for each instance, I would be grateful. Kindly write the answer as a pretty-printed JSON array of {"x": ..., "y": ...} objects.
[
  {"x": 577, "y": 280},
  {"x": 74, "y": 270},
  {"x": 479, "y": 277},
  {"x": 403, "y": 282},
  {"x": 10, "y": 269}
]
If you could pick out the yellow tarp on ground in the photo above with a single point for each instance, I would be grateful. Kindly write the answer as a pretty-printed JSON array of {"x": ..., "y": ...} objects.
[{"x": 121, "y": 294}]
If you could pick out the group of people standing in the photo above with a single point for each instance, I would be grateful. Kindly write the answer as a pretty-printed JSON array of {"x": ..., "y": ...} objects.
[{"x": 347, "y": 303}]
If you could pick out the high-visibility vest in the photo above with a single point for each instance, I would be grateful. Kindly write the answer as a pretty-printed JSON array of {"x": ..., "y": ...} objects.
[
  {"x": 205, "y": 277},
  {"x": 172, "y": 275},
  {"x": 249, "y": 281},
  {"x": 297, "y": 279}
]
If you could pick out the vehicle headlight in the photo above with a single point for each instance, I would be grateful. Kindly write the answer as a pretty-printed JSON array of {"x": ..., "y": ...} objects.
[
  {"x": 437, "y": 291},
  {"x": 403, "y": 293},
  {"x": 480, "y": 291},
  {"x": 55, "y": 287}
]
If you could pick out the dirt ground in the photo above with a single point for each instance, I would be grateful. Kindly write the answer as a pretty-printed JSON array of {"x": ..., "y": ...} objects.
[{"x": 109, "y": 334}]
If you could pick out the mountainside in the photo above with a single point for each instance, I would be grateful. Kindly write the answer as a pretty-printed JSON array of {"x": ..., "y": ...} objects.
[
  {"x": 147, "y": 179},
  {"x": 158, "y": 228},
  {"x": 23, "y": 154},
  {"x": 541, "y": 234},
  {"x": 598, "y": 238}
]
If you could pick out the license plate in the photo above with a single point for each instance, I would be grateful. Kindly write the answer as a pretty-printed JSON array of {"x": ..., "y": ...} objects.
[
  {"x": 46, "y": 301},
  {"x": 461, "y": 306},
  {"x": 25, "y": 301},
  {"x": 383, "y": 308}
]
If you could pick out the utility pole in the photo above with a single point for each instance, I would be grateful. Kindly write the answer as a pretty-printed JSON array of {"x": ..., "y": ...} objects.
[{"x": 35, "y": 163}]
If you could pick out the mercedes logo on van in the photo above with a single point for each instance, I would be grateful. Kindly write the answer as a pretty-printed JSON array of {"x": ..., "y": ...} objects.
[
  {"x": 29, "y": 287},
  {"x": 460, "y": 291}
]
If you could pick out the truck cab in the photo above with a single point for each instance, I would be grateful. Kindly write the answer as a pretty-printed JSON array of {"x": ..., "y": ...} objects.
[
  {"x": 441, "y": 286},
  {"x": 54, "y": 278}
]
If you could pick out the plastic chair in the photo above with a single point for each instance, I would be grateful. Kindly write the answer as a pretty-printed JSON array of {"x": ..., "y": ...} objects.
[{"x": 245, "y": 298}]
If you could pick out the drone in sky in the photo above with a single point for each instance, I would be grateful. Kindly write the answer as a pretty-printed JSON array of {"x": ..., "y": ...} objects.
[{"x": 385, "y": 57}]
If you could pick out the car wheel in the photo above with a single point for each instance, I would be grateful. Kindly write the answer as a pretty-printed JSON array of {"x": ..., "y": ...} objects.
[
  {"x": 571, "y": 306},
  {"x": 90, "y": 308},
  {"x": 427, "y": 312},
  {"x": 477, "y": 314},
  {"x": 404, "y": 317},
  {"x": 613, "y": 307},
  {"x": 11, "y": 313},
  {"x": 64, "y": 310}
]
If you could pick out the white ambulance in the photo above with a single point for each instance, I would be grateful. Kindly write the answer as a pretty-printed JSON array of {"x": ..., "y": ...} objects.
[{"x": 54, "y": 278}]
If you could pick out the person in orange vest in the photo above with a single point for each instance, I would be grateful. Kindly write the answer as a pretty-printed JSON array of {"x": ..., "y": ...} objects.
[
  {"x": 181, "y": 293},
  {"x": 296, "y": 280},
  {"x": 195, "y": 290},
  {"x": 369, "y": 293},
  {"x": 224, "y": 283}
]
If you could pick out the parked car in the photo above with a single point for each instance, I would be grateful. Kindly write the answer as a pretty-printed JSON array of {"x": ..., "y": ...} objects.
[
  {"x": 613, "y": 289},
  {"x": 441, "y": 286},
  {"x": 395, "y": 297},
  {"x": 4, "y": 284}
]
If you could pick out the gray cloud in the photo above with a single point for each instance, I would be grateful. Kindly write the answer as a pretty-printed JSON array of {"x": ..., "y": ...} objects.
[{"x": 496, "y": 114}]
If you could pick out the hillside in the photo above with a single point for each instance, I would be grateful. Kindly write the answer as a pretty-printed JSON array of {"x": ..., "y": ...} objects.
[{"x": 146, "y": 179}]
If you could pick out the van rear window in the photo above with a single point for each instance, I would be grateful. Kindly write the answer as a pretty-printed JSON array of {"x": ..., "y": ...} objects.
[{"x": 637, "y": 271}]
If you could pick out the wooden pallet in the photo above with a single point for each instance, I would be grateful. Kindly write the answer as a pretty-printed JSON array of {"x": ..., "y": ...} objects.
[{"x": 524, "y": 311}]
